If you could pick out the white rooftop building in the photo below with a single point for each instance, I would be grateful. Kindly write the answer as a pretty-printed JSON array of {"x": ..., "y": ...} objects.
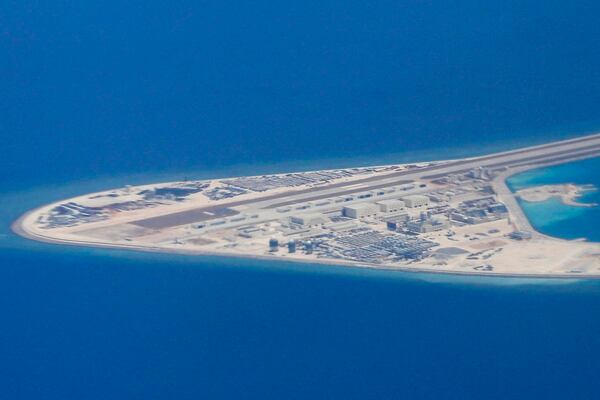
[
  {"x": 311, "y": 219},
  {"x": 428, "y": 225},
  {"x": 360, "y": 210},
  {"x": 416, "y": 200},
  {"x": 391, "y": 205}
]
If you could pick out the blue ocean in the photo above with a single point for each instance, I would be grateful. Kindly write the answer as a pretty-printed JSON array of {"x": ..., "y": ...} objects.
[{"x": 95, "y": 95}]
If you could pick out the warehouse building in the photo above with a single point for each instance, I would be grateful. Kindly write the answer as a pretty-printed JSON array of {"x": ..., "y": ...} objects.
[
  {"x": 389, "y": 206},
  {"x": 360, "y": 210},
  {"x": 309, "y": 219},
  {"x": 416, "y": 200},
  {"x": 426, "y": 225}
]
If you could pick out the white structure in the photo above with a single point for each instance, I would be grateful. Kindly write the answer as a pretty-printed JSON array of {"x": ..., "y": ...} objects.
[
  {"x": 309, "y": 219},
  {"x": 360, "y": 210},
  {"x": 428, "y": 225},
  {"x": 391, "y": 205},
  {"x": 416, "y": 200}
]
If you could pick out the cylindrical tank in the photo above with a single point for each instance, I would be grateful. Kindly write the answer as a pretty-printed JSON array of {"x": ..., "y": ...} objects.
[
  {"x": 308, "y": 247},
  {"x": 292, "y": 246}
]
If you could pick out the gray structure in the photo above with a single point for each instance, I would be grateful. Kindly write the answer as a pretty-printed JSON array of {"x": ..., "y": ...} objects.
[
  {"x": 391, "y": 205},
  {"x": 416, "y": 200},
  {"x": 309, "y": 219},
  {"x": 426, "y": 225},
  {"x": 360, "y": 210}
]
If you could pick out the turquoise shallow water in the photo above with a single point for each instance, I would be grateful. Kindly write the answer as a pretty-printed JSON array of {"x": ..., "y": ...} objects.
[{"x": 554, "y": 218}]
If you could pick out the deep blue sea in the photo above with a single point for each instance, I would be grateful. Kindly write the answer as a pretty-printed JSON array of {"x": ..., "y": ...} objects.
[{"x": 95, "y": 95}]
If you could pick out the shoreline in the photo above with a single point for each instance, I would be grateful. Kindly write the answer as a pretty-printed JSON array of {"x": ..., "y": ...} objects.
[
  {"x": 19, "y": 229},
  {"x": 568, "y": 194}
]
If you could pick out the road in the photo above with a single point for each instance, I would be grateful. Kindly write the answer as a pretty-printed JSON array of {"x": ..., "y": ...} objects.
[{"x": 562, "y": 151}]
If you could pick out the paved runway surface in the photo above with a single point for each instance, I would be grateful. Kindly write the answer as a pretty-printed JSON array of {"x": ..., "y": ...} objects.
[{"x": 588, "y": 146}]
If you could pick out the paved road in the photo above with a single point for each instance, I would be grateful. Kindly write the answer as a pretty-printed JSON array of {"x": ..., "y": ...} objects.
[
  {"x": 588, "y": 146},
  {"x": 518, "y": 219},
  {"x": 186, "y": 217},
  {"x": 538, "y": 159}
]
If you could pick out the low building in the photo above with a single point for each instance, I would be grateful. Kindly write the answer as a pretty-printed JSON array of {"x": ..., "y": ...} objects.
[
  {"x": 360, "y": 210},
  {"x": 399, "y": 217},
  {"x": 365, "y": 195},
  {"x": 438, "y": 198},
  {"x": 389, "y": 206},
  {"x": 473, "y": 217},
  {"x": 416, "y": 200},
  {"x": 521, "y": 235},
  {"x": 392, "y": 225},
  {"x": 498, "y": 208},
  {"x": 311, "y": 219},
  {"x": 428, "y": 225}
]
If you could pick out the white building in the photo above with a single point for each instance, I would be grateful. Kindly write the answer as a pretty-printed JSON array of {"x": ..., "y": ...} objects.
[
  {"x": 391, "y": 205},
  {"x": 360, "y": 210},
  {"x": 428, "y": 225},
  {"x": 309, "y": 219},
  {"x": 416, "y": 200}
]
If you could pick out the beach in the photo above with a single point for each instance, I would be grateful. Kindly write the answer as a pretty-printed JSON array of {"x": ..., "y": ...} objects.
[{"x": 491, "y": 255}]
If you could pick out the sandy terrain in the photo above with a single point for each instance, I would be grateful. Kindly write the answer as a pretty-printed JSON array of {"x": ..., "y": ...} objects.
[
  {"x": 567, "y": 193},
  {"x": 112, "y": 219}
]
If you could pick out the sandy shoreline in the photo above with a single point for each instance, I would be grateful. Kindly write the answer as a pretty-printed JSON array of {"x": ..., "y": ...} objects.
[
  {"x": 18, "y": 228},
  {"x": 567, "y": 193},
  {"x": 127, "y": 228}
]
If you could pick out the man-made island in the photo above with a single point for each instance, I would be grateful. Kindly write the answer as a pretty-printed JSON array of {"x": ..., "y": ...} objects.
[
  {"x": 455, "y": 216},
  {"x": 567, "y": 193}
]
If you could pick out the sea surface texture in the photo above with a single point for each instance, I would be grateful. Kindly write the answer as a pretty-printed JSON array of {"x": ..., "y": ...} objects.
[{"x": 95, "y": 95}]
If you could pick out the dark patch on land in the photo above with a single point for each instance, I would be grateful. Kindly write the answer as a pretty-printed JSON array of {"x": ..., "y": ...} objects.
[
  {"x": 185, "y": 217},
  {"x": 200, "y": 214}
]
